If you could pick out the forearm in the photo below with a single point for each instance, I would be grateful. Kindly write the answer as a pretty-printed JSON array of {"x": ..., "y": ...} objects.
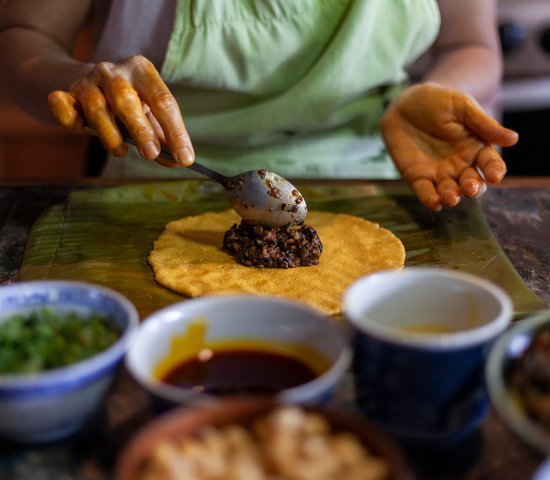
[
  {"x": 466, "y": 53},
  {"x": 33, "y": 66},
  {"x": 474, "y": 70}
]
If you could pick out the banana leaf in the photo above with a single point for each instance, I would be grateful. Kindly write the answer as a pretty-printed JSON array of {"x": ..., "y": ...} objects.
[{"x": 104, "y": 235}]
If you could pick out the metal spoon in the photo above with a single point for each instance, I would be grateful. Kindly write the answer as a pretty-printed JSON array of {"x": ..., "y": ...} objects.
[{"x": 260, "y": 197}]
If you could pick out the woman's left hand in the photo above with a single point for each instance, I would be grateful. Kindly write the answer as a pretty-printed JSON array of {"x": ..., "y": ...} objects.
[{"x": 443, "y": 143}]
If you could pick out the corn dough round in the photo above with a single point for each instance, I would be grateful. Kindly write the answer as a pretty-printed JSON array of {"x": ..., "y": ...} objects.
[{"x": 188, "y": 259}]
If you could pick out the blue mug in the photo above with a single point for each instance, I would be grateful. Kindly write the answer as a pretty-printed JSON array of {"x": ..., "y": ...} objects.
[{"x": 420, "y": 340}]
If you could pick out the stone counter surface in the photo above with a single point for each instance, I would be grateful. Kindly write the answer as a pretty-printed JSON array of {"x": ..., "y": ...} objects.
[{"x": 520, "y": 220}]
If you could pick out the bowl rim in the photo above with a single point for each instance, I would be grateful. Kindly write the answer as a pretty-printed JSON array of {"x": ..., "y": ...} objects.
[
  {"x": 79, "y": 372},
  {"x": 179, "y": 395},
  {"x": 543, "y": 470},
  {"x": 507, "y": 408},
  {"x": 435, "y": 342},
  {"x": 245, "y": 409}
]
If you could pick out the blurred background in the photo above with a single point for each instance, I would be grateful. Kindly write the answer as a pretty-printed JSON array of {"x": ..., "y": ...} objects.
[
  {"x": 29, "y": 149},
  {"x": 32, "y": 149},
  {"x": 524, "y": 27}
]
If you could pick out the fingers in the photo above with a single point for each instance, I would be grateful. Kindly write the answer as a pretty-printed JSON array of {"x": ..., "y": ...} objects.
[
  {"x": 449, "y": 191},
  {"x": 443, "y": 185},
  {"x": 99, "y": 117},
  {"x": 66, "y": 110},
  {"x": 427, "y": 194},
  {"x": 165, "y": 109},
  {"x": 491, "y": 164},
  {"x": 471, "y": 183},
  {"x": 127, "y": 106},
  {"x": 155, "y": 125},
  {"x": 130, "y": 93},
  {"x": 448, "y": 186},
  {"x": 69, "y": 112}
]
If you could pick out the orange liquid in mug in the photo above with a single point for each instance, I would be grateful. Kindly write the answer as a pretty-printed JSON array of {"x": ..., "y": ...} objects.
[{"x": 428, "y": 329}]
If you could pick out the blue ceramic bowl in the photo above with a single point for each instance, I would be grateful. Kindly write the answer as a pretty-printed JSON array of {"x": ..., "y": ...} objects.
[
  {"x": 55, "y": 403},
  {"x": 506, "y": 402}
]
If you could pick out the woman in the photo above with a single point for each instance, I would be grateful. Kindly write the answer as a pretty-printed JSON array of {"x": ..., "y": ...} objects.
[{"x": 301, "y": 87}]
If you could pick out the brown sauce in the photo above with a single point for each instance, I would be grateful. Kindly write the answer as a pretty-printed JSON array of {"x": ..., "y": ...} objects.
[{"x": 238, "y": 372}]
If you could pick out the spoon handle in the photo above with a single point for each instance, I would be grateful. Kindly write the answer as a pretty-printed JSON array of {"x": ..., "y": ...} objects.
[
  {"x": 165, "y": 153},
  {"x": 195, "y": 166}
]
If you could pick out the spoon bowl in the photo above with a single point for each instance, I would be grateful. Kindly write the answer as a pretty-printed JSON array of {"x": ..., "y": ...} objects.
[{"x": 260, "y": 197}]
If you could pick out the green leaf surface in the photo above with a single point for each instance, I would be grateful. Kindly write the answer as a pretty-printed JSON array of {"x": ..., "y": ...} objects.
[{"x": 104, "y": 235}]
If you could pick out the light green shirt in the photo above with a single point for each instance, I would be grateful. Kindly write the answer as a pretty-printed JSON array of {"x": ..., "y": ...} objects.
[{"x": 293, "y": 86}]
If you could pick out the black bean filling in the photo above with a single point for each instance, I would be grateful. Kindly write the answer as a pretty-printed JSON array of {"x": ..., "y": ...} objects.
[{"x": 273, "y": 247}]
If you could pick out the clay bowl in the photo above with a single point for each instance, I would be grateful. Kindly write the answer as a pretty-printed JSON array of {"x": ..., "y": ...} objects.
[{"x": 183, "y": 422}]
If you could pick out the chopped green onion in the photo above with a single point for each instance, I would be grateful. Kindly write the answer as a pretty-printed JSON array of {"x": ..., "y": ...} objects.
[{"x": 44, "y": 339}]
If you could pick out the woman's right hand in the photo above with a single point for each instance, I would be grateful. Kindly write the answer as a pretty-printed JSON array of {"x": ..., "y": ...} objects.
[{"x": 132, "y": 93}]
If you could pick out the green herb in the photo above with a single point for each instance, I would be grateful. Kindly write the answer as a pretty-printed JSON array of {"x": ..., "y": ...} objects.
[{"x": 44, "y": 339}]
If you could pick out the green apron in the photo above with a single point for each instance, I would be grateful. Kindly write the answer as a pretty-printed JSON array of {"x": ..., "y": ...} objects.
[{"x": 293, "y": 86}]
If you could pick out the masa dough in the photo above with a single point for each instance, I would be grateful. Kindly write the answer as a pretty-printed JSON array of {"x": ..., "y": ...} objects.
[{"x": 188, "y": 259}]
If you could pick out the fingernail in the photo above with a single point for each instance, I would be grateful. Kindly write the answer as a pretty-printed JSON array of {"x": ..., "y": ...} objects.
[
  {"x": 472, "y": 189},
  {"x": 120, "y": 151},
  {"x": 434, "y": 205},
  {"x": 451, "y": 199},
  {"x": 496, "y": 175},
  {"x": 185, "y": 157},
  {"x": 150, "y": 150}
]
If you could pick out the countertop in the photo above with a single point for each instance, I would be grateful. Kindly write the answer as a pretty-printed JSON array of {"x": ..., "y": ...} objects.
[{"x": 518, "y": 213}]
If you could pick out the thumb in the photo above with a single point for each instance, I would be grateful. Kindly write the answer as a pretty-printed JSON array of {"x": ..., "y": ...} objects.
[{"x": 486, "y": 127}]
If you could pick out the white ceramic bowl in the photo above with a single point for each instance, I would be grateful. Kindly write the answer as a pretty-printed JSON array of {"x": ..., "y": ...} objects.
[
  {"x": 55, "y": 403},
  {"x": 506, "y": 350},
  {"x": 240, "y": 318}
]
